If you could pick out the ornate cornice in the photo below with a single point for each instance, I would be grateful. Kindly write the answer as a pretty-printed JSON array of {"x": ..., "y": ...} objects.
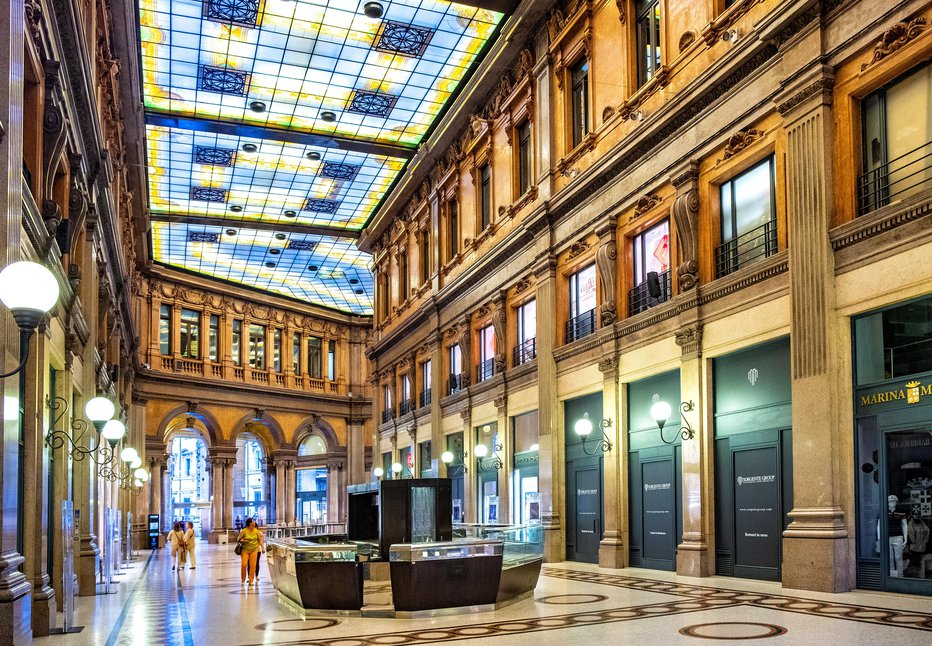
[
  {"x": 741, "y": 140},
  {"x": 894, "y": 38},
  {"x": 822, "y": 85}
]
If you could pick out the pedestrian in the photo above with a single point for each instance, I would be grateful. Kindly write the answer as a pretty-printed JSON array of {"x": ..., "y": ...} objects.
[
  {"x": 259, "y": 556},
  {"x": 238, "y": 524},
  {"x": 252, "y": 543},
  {"x": 189, "y": 543},
  {"x": 176, "y": 540}
]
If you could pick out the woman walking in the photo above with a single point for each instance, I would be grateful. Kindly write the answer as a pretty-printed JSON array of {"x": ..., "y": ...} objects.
[
  {"x": 176, "y": 540},
  {"x": 252, "y": 542},
  {"x": 189, "y": 543}
]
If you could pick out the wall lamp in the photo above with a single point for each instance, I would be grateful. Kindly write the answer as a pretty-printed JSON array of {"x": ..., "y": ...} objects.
[
  {"x": 130, "y": 475},
  {"x": 661, "y": 411},
  {"x": 396, "y": 469},
  {"x": 29, "y": 290},
  {"x": 583, "y": 429},
  {"x": 99, "y": 410},
  {"x": 492, "y": 464},
  {"x": 455, "y": 470},
  {"x": 378, "y": 472}
]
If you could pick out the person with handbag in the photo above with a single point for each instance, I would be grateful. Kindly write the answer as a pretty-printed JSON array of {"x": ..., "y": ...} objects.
[
  {"x": 176, "y": 541},
  {"x": 248, "y": 544},
  {"x": 189, "y": 543}
]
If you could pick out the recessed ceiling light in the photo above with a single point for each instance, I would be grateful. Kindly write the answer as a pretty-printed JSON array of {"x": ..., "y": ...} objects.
[
  {"x": 231, "y": 232},
  {"x": 257, "y": 106},
  {"x": 360, "y": 291},
  {"x": 312, "y": 155},
  {"x": 270, "y": 264},
  {"x": 236, "y": 208},
  {"x": 328, "y": 116},
  {"x": 279, "y": 236},
  {"x": 275, "y": 252},
  {"x": 353, "y": 281},
  {"x": 373, "y": 9},
  {"x": 250, "y": 148},
  {"x": 291, "y": 214},
  {"x": 312, "y": 267}
]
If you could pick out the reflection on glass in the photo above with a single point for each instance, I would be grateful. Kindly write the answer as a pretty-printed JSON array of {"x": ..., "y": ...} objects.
[
  {"x": 423, "y": 526},
  {"x": 904, "y": 529}
]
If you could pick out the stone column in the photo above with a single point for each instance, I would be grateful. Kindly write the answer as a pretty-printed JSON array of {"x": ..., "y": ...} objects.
[
  {"x": 612, "y": 549},
  {"x": 85, "y": 506},
  {"x": 156, "y": 466},
  {"x": 543, "y": 129},
  {"x": 507, "y": 455},
  {"x": 550, "y": 427},
  {"x": 815, "y": 545},
  {"x": 694, "y": 556},
  {"x": 279, "y": 491},
  {"x": 167, "y": 512},
  {"x": 228, "y": 465},
  {"x": 356, "y": 450},
  {"x": 216, "y": 505},
  {"x": 290, "y": 501},
  {"x": 470, "y": 475},
  {"x": 267, "y": 477}
]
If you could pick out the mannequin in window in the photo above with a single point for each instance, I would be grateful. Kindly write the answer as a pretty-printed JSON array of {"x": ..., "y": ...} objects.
[
  {"x": 896, "y": 526},
  {"x": 917, "y": 540}
]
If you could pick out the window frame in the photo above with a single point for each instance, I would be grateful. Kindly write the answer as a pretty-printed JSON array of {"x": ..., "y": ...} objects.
[
  {"x": 314, "y": 366},
  {"x": 485, "y": 196},
  {"x": 256, "y": 346},
  {"x": 771, "y": 159},
  {"x": 189, "y": 333},
  {"x": 331, "y": 359},
  {"x": 453, "y": 229},
  {"x": 580, "y": 121},
  {"x": 236, "y": 342},
  {"x": 165, "y": 330},
  {"x": 646, "y": 66},
  {"x": 213, "y": 338},
  {"x": 525, "y": 158}
]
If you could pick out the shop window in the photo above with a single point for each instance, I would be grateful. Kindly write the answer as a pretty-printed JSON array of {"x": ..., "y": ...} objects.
[
  {"x": 277, "y": 350},
  {"x": 314, "y": 346},
  {"x": 453, "y": 229},
  {"x": 582, "y": 299},
  {"x": 331, "y": 359},
  {"x": 456, "y": 369},
  {"x": 524, "y": 157},
  {"x": 165, "y": 328},
  {"x": 237, "y": 343},
  {"x": 189, "y": 333},
  {"x": 526, "y": 349},
  {"x": 651, "y": 268},
  {"x": 897, "y": 141},
  {"x": 648, "y": 39},
  {"x": 486, "y": 367},
  {"x": 425, "y": 383},
  {"x": 425, "y": 459},
  {"x": 525, "y": 468},
  {"x": 485, "y": 196},
  {"x": 296, "y": 353},
  {"x": 579, "y": 108},
  {"x": 749, "y": 218},
  {"x": 213, "y": 338},
  {"x": 257, "y": 347},
  {"x": 894, "y": 343}
]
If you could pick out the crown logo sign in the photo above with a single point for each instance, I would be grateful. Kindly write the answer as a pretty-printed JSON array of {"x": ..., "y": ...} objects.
[{"x": 912, "y": 392}]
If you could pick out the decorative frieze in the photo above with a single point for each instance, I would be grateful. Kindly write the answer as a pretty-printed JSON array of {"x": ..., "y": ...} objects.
[
  {"x": 577, "y": 249},
  {"x": 741, "y": 140},
  {"x": 895, "y": 38},
  {"x": 645, "y": 203}
]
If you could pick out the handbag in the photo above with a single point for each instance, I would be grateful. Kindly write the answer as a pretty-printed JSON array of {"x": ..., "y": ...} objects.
[{"x": 238, "y": 549}]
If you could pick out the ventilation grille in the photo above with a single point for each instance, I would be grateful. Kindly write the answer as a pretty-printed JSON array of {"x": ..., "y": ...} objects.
[
  {"x": 724, "y": 564},
  {"x": 869, "y": 575}
]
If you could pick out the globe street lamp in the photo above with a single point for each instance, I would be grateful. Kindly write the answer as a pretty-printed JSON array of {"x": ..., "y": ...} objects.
[{"x": 29, "y": 290}]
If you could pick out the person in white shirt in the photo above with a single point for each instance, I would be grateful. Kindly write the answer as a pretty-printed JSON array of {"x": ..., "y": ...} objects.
[
  {"x": 189, "y": 542},
  {"x": 176, "y": 540}
]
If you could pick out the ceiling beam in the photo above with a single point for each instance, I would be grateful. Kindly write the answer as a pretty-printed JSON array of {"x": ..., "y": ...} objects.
[
  {"x": 501, "y": 6},
  {"x": 291, "y": 136},
  {"x": 283, "y": 227}
]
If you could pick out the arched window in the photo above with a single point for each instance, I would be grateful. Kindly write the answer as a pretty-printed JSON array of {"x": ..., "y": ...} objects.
[{"x": 312, "y": 445}]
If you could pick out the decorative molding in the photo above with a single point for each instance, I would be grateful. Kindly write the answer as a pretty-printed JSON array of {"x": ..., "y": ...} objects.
[
  {"x": 687, "y": 39},
  {"x": 577, "y": 249},
  {"x": 501, "y": 403},
  {"x": 874, "y": 223},
  {"x": 645, "y": 203},
  {"x": 741, "y": 140},
  {"x": 714, "y": 30},
  {"x": 691, "y": 174},
  {"x": 608, "y": 366},
  {"x": 658, "y": 81},
  {"x": 686, "y": 218},
  {"x": 823, "y": 85},
  {"x": 605, "y": 258},
  {"x": 586, "y": 145},
  {"x": 522, "y": 285},
  {"x": 894, "y": 38},
  {"x": 622, "y": 10},
  {"x": 690, "y": 340}
]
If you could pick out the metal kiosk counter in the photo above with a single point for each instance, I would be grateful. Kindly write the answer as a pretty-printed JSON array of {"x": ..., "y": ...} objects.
[{"x": 321, "y": 577}]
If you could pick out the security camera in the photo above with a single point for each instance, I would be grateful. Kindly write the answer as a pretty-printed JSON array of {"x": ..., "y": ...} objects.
[
  {"x": 145, "y": 366},
  {"x": 731, "y": 36}
]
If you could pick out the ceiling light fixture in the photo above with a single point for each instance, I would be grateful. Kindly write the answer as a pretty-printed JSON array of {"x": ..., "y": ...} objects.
[
  {"x": 231, "y": 232},
  {"x": 270, "y": 264},
  {"x": 328, "y": 117},
  {"x": 353, "y": 281},
  {"x": 275, "y": 252},
  {"x": 312, "y": 267},
  {"x": 257, "y": 106},
  {"x": 313, "y": 156},
  {"x": 236, "y": 208},
  {"x": 279, "y": 236},
  {"x": 373, "y": 10},
  {"x": 291, "y": 214},
  {"x": 250, "y": 148}
]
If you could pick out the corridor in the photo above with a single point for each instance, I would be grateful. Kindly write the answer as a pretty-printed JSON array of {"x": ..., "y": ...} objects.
[{"x": 574, "y": 603}]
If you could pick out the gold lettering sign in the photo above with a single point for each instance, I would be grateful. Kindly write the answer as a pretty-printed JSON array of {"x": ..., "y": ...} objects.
[{"x": 912, "y": 393}]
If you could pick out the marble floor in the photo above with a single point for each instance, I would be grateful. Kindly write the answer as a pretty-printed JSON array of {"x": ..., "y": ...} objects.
[{"x": 574, "y": 604}]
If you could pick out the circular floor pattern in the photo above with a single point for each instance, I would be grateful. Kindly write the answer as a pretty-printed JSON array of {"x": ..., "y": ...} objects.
[
  {"x": 733, "y": 630},
  {"x": 565, "y": 599},
  {"x": 311, "y": 623}
]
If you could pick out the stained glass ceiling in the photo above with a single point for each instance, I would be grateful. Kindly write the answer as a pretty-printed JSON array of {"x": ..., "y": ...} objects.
[{"x": 273, "y": 115}]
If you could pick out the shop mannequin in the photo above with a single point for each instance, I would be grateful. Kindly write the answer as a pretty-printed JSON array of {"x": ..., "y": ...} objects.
[{"x": 896, "y": 523}]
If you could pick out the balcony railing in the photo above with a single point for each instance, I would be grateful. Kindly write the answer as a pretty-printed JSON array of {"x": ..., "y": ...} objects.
[
  {"x": 455, "y": 384},
  {"x": 640, "y": 299},
  {"x": 898, "y": 178},
  {"x": 525, "y": 352},
  {"x": 424, "y": 398},
  {"x": 580, "y": 326},
  {"x": 485, "y": 369},
  {"x": 406, "y": 406},
  {"x": 746, "y": 249},
  {"x": 387, "y": 414}
]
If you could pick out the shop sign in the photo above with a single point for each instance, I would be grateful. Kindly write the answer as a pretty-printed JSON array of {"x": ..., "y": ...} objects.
[{"x": 911, "y": 392}]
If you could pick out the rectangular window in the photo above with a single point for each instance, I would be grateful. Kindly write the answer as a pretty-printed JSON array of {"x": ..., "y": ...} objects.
[
  {"x": 296, "y": 353},
  {"x": 214, "y": 338},
  {"x": 486, "y": 367},
  {"x": 527, "y": 333},
  {"x": 405, "y": 388},
  {"x": 403, "y": 277},
  {"x": 257, "y": 347},
  {"x": 314, "y": 350},
  {"x": 582, "y": 304},
  {"x": 425, "y": 256},
  {"x": 456, "y": 368},
  {"x": 277, "y": 350},
  {"x": 749, "y": 218},
  {"x": 425, "y": 383},
  {"x": 648, "y": 39},
  {"x": 897, "y": 141},
  {"x": 237, "y": 343},
  {"x": 386, "y": 398},
  {"x": 383, "y": 295},
  {"x": 453, "y": 233},
  {"x": 485, "y": 196},
  {"x": 579, "y": 107},
  {"x": 651, "y": 268},
  {"x": 524, "y": 157},
  {"x": 331, "y": 360},
  {"x": 165, "y": 327},
  {"x": 189, "y": 333}
]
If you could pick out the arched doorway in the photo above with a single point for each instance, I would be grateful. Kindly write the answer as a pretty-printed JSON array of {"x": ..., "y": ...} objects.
[
  {"x": 311, "y": 483},
  {"x": 249, "y": 499},
  {"x": 189, "y": 481}
]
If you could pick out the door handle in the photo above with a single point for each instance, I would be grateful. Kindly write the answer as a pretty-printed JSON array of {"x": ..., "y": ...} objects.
[{"x": 595, "y": 525}]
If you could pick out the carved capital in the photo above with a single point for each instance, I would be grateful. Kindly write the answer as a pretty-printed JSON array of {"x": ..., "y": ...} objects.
[
  {"x": 690, "y": 340},
  {"x": 608, "y": 366},
  {"x": 501, "y": 402}
]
